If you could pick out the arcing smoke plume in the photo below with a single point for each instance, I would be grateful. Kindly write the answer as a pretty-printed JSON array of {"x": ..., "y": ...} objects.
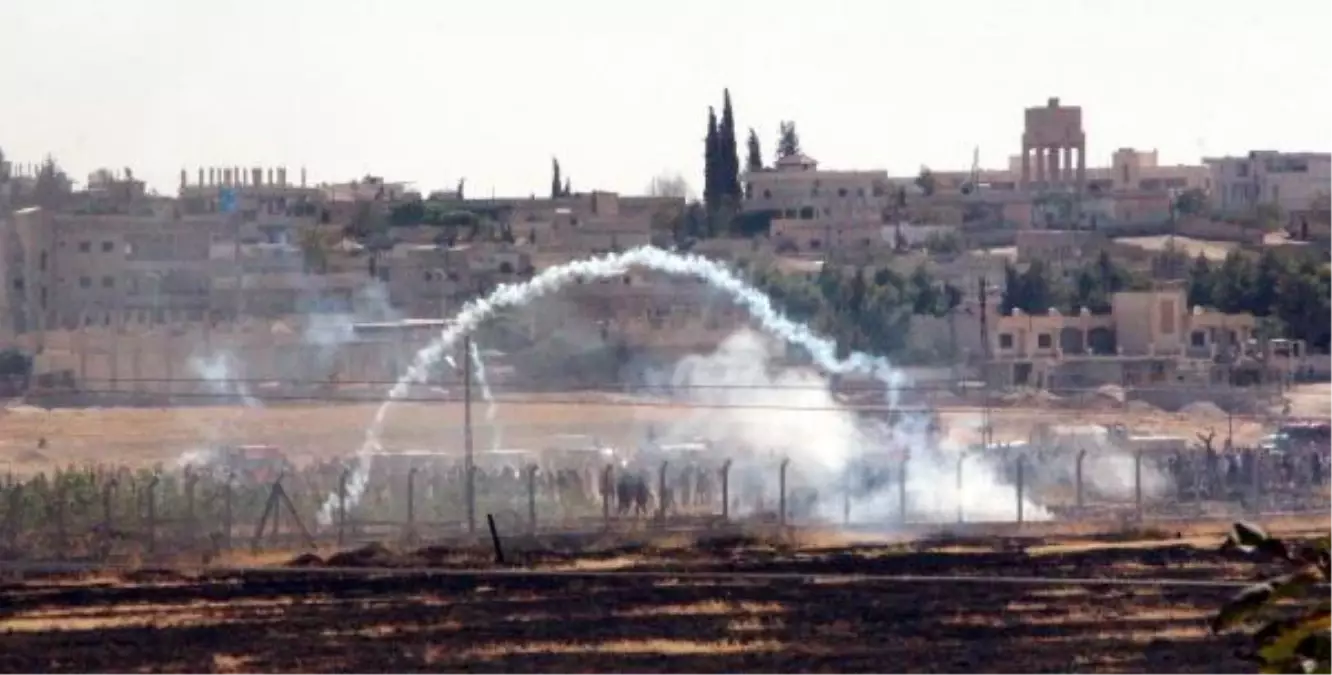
[
  {"x": 746, "y": 402},
  {"x": 760, "y": 307}
]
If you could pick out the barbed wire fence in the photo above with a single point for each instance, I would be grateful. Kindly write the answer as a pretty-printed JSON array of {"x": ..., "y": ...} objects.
[
  {"x": 99, "y": 512},
  {"x": 105, "y": 513}
]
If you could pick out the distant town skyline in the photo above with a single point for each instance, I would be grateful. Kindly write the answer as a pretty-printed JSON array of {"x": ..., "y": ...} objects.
[{"x": 433, "y": 92}]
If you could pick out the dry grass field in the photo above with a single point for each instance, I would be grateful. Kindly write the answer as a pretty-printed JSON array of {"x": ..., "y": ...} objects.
[
  {"x": 146, "y": 436},
  {"x": 738, "y": 605}
]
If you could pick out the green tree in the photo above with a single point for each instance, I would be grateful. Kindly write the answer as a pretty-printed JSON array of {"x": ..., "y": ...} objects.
[
  {"x": 1270, "y": 217},
  {"x": 314, "y": 251},
  {"x": 728, "y": 158},
  {"x": 15, "y": 363},
  {"x": 926, "y": 181},
  {"x": 1304, "y": 304},
  {"x": 1200, "y": 282},
  {"x": 712, "y": 164},
  {"x": 943, "y": 243},
  {"x": 1191, "y": 202},
  {"x": 1031, "y": 291},
  {"x": 1233, "y": 281},
  {"x": 754, "y": 155},
  {"x": 568, "y": 187},
  {"x": 1267, "y": 277},
  {"x": 668, "y": 185},
  {"x": 51, "y": 186},
  {"x": 788, "y": 140},
  {"x": 925, "y": 298},
  {"x": 1293, "y": 608},
  {"x": 556, "y": 185}
]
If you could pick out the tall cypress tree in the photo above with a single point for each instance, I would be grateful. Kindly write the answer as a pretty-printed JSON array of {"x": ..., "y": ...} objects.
[
  {"x": 556, "y": 185},
  {"x": 754, "y": 160},
  {"x": 711, "y": 165},
  {"x": 728, "y": 184}
]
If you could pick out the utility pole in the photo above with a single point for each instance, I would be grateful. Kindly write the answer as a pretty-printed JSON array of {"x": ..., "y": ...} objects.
[
  {"x": 468, "y": 463},
  {"x": 987, "y": 433}
]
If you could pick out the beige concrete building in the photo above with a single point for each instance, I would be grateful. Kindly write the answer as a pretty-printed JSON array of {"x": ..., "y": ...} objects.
[
  {"x": 1133, "y": 188},
  {"x": 581, "y": 223},
  {"x": 601, "y": 227},
  {"x": 816, "y": 210},
  {"x": 1059, "y": 248},
  {"x": 797, "y": 189},
  {"x": 434, "y": 281},
  {"x": 1289, "y": 180},
  {"x": 75, "y": 270},
  {"x": 1148, "y": 338},
  {"x": 1054, "y": 148}
]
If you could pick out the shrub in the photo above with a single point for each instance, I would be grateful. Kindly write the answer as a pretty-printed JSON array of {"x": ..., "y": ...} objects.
[{"x": 1295, "y": 637}]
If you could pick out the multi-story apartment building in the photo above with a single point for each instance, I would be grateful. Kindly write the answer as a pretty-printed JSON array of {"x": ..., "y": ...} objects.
[
  {"x": 816, "y": 209},
  {"x": 71, "y": 270},
  {"x": 431, "y": 280},
  {"x": 585, "y": 223},
  {"x": 1292, "y": 181}
]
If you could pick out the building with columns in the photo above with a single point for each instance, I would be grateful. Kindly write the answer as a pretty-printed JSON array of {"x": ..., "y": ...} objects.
[{"x": 1054, "y": 148}]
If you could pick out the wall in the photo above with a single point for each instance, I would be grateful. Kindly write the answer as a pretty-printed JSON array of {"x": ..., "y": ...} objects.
[{"x": 1218, "y": 230}]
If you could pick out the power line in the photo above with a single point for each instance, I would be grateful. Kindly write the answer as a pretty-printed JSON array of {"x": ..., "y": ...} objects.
[
  {"x": 615, "y": 386},
  {"x": 637, "y": 403}
]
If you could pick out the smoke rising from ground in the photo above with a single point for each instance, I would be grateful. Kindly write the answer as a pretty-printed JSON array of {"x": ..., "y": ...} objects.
[
  {"x": 221, "y": 374},
  {"x": 755, "y": 410}
]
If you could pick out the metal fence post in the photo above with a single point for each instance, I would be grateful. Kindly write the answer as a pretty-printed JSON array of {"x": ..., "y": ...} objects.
[
  {"x": 1082, "y": 455},
  {"x": 607, "y": 492},
  {"x": 1021, "y": 479},
  {"x": 662, "y": 496},
  {"x": 532, "y": 498},
  {"x": 151, "y": 497},
  {"x": 960, "y": 459},
  {"x": 902, "y": 491},
  {"x": 726, "y": 490},
  {"x": 228, "y": 522},
  {"x": 1137, "y": 485},
  {"x": 411, "y": 502},
  {"x": 781, "y": 496},
  {"x": 342, "y": 506},
  {"x": 60, "y": 516}
]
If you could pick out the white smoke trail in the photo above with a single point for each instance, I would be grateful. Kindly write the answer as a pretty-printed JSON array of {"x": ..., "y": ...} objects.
[
  {"x": 218, "y": 372},
  {"x": 760, "y": 308},
  {"x": 492, "y": 407},
  {"x": 479, "y": 366}
]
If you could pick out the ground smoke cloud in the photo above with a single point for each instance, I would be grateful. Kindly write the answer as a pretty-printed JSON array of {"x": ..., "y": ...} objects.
[{"x": 754, "y": 409}]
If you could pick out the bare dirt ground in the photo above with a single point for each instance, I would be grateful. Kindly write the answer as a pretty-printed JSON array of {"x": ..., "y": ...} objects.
[
  {"x": 704, "y": 607},
  {"x": 1212, "y": 250},
  {"x": 146, "y": 436}
]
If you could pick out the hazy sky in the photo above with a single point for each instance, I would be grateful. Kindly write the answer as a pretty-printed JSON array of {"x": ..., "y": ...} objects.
[{"x": 434, "y": 90}]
